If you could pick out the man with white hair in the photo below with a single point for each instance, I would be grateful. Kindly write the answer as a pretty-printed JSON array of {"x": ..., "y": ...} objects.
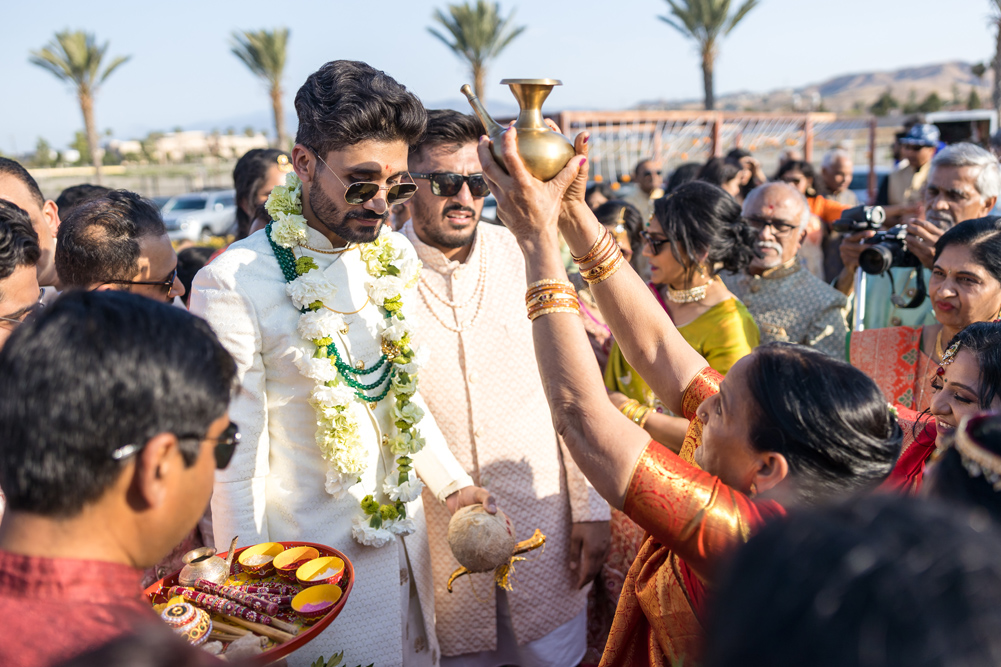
[
  {"x": 788, "y": 303},
  {"x": 837, "y": 170},
  {"x": 963, "y": 183}
]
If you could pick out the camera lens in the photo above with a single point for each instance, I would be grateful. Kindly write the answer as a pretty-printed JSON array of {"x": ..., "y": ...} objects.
[{"x": 876, "y": 259}]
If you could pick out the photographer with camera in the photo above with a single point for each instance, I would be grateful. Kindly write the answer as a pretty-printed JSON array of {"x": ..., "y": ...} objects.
[{"x": 964, "y": 183}]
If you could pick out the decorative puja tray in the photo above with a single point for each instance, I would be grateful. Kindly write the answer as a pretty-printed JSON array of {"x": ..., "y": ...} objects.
[{"x": 157, "y": 593}]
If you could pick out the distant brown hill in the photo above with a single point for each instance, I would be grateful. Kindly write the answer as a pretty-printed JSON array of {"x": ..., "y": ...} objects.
[{"x": 851, "y": 92}]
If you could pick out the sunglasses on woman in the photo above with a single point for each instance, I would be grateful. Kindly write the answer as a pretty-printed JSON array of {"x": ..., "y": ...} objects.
[
  {"x": 447, "y": 184},
  {"x": 225, "y": 446},
  {"x": 363, "y": 191},
  {"x": 654, "y": 244}
]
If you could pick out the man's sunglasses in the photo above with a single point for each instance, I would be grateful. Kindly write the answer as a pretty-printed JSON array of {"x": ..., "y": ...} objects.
[
  {"x": 225, "y": 446},
  {"x": 446, "y": 184},
  {"x": 654, "y": 244},
  {"x": 16, "y": 319},
  {"x": 363, "y": 191},
  {"x": 167, "y": 284}
]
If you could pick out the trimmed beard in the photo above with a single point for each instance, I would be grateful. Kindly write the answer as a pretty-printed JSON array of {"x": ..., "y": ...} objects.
[
  {"x": 330, "y": 216},
  {"x": 440, "y": 235}
]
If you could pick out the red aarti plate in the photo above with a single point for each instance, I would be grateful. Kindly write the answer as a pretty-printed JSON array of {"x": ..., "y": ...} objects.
[{"x": 157, "y": 593}]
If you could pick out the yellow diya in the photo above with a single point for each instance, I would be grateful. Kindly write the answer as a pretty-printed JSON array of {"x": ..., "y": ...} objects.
[
  {"x": 325, "y": 570},
  {"x": 312, "y": 603},
  {"x": 257, "y": 560}
]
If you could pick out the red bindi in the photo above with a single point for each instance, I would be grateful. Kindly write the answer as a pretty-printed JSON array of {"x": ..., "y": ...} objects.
[{"x": 940, "y": 372}]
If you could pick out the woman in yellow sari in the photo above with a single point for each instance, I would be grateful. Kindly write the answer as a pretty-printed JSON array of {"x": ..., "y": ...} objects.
[
  {"x": 762, "y": 436},
  {"x": 965, "y": 287},
  {"x": 695, "y": 232}
]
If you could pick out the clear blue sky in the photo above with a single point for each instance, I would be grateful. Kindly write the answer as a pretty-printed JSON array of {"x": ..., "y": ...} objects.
[{"x": 608, "y": 54}]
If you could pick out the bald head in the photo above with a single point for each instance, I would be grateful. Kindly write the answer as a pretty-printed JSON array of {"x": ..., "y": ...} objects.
[{"x": 780, "y": 214}]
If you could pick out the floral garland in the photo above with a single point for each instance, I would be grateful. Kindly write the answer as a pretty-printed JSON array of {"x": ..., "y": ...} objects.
[{"x": 339, "y": 386}]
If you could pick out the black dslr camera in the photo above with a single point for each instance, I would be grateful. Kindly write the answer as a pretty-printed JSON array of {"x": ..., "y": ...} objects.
[
  {"x": 860, "y": 219},
  {"x": 887, "y": 247}
]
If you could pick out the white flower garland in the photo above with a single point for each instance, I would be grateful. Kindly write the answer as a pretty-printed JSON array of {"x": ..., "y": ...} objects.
[{"x": 335, "y": 390}]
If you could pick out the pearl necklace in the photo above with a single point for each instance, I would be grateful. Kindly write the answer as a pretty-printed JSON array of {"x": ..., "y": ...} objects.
[
  {"x": 479, "y": 290},
  {"x": 691, "y": 295}
]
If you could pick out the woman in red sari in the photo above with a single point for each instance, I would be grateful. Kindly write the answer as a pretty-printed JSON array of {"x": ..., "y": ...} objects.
[
  {"x": 968, "y": 381},
  {"x": 762, "y": 438}
]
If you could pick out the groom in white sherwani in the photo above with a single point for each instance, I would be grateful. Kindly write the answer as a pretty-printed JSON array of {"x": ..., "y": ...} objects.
[{"x": 337, "y": 443}]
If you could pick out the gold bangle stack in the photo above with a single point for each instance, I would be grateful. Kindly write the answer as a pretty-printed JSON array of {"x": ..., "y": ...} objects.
[
  {"x": 606, "y": 256},
  {"x": 549, "y": 296},
  {"x": 636, "y": 412}
]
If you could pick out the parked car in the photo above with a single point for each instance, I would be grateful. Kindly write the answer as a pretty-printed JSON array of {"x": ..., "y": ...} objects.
[
  {"x": 160, "y": 201},
  {"x": 198, "y": 216}
]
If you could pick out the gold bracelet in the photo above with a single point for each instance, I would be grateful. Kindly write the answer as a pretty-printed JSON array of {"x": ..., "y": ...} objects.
[
  {"x": 536, "y": 292},
  {"x": 608, "y": 272},
  {"x": 549, "y": 311},
  {"x": 594, "y": 248},
  {"x": 608, "y": 247},
  {"x": 625, "y": 408},
  {"x": 552, "y": 299},
  {"x": 641, "y": 418},
  {"x": 549, "y": 281},
  {"x": 562, "y": 303}
]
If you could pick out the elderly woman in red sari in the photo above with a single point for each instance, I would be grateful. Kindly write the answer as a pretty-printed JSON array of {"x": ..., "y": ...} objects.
[{"x": 762, "y": 438}]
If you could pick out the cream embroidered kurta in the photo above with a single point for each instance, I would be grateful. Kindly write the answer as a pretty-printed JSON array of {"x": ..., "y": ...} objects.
[
  {"x": 483, "y": 387},
  {"x": 273, "y": 490}
]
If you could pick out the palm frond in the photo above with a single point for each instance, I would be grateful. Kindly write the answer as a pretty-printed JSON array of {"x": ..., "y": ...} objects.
[
  {"x": 263, "y": 52},
  {"x": 739, "y": 15},
  {"x": 75, "y": 56},
  {"x": 477, "y": 31}
]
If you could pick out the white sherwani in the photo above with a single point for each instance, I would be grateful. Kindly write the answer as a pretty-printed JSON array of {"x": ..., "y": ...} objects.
[{"x": 273, "y": 490}]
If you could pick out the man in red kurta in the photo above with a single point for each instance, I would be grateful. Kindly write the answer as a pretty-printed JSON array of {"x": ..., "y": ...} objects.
[{"x": 113, "y": 419}]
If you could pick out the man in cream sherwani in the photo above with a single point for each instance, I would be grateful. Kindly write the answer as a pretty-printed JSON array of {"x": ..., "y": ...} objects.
[{"x": 355, "y": 127}]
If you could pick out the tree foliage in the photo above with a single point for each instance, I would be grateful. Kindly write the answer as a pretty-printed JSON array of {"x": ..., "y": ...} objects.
[
  {"x": 706, "y": 22},
  {"x": 264, "y": 53},
  {"x": 476, "y": 33},
  {"x": 886, "y": 103}
]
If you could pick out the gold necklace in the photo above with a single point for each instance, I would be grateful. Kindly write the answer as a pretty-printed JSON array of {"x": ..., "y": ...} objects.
[
  {"x": 938, "y": 345},
  {"x": 690, "y": 295},
  {"x": 336, "y": 251},
  {"x": 353, "y": 312}
]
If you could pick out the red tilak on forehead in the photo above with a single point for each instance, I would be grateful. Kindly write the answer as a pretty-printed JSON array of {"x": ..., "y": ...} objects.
[{"x": 940, "y": 372}]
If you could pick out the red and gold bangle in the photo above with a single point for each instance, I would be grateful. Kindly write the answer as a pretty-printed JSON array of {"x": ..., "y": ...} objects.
[
  {"x": 602, "y": 236},
  {"x": 605, "y": 270},
  {"x": 550, "y": 298},
  {"x": 535, "y": 314},
  {"x": 562, "y": 303},
  {"x": 562, "y": 288}
]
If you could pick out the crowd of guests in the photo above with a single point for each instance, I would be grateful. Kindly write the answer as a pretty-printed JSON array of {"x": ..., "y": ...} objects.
[{"x": 695, "y": 387}]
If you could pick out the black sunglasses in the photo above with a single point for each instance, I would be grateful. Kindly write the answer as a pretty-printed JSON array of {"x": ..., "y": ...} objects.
[
  {"x": 447, "y": 184},
  {"x": 167, "y": 283},
  {"x": 363, "y": 191},
  {"x": 225, "y": 446},
  {"x": 654, "y": 244}
]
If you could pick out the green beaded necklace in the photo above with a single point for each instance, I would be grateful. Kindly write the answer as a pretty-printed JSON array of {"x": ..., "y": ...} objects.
[{"x": 287, "y": 263}]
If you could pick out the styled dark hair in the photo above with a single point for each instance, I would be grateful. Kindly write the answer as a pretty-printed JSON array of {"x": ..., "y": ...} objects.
[
  {"x": 602, "y": 188},
  {"x": 737, "y": 154},
  {"x": 346, "y": 102},
  {"x": 701, "y": 220},
  {"x": 189, "y": 262},
  {"x": 75, "y": 195},
  {"x": 983, "y": 339},
  {"x": 95, "y": 371},
  {"x": 618, "y": 210},
  {"x": 18, "y": 240},
  {"x": 249, "y": 174},
  {"x": 827, "y": 418},
  {"x": 13, "y": 168},
  {"x": 683, "y": 173},
  {"x": 801, "y": 166},
  {"x": 447, "y": 128},
  {"x": 951, "y": 481},
  {"x": 718, "y": 171},
  {"x": 878, "y": 582},
  {"x": 100, "y": 239},
  {"x": 982, "y": 236}
]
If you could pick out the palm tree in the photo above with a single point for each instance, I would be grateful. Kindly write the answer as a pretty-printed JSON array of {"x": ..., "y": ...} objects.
[
  {"x": 263, "y": 52},
  {"x": 76, "y": 58},
  {"x": 706, "y": 22},
  {"x": 996, "y": 64},
  {"x": 478, "y": 35}
]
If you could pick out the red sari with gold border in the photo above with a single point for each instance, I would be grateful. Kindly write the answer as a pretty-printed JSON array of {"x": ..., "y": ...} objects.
[{"x": 692, "y": 521}]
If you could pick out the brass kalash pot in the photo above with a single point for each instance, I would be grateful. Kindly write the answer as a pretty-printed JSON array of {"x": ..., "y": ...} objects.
[{"x": 545, "y": 152}]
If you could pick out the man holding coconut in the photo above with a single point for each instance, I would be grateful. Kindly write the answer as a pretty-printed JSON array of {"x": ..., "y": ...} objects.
[
  {"x": 315, "y": 309},
  {"x": 484, "y": 391}
]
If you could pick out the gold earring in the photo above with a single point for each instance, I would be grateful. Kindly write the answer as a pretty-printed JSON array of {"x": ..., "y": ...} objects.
[{"x": 754, "y": 489}]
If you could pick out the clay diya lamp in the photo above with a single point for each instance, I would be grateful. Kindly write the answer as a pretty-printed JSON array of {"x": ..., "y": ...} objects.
[
  {"x": 258, "y": 560},
  {"x": 314, "y": 602},
  {"x": 325, "y": 570},
  {"x": 288, "y": 561}
]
